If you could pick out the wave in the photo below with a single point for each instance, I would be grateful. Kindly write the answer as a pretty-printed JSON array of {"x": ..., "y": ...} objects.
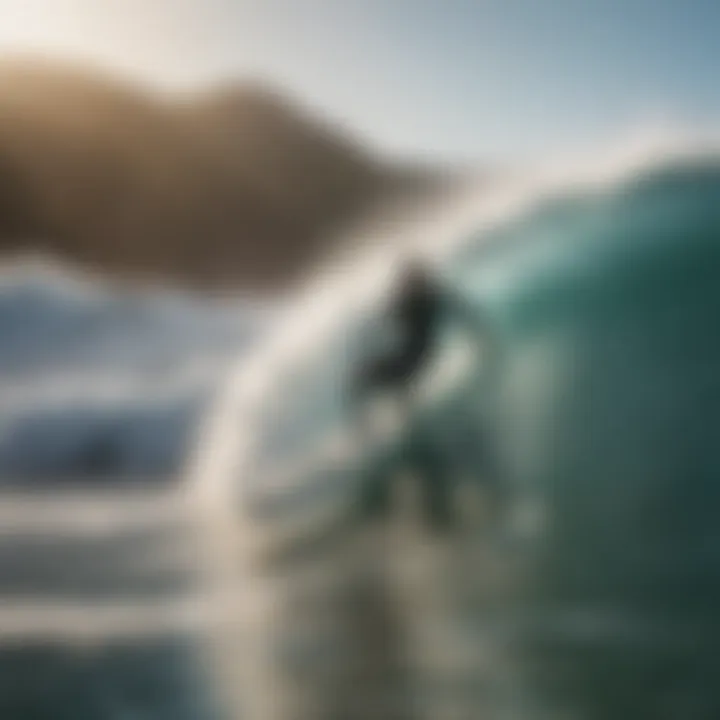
[
  {"x": 348, "y": 289},
  {"x": 280, "y": 463}
]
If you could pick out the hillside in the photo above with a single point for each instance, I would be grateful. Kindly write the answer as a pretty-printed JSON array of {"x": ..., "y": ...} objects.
[{"x": 236, "y": 185}]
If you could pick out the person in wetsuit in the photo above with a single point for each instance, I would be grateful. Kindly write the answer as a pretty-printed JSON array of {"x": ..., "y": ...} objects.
[{"x": 415, "y": 318}]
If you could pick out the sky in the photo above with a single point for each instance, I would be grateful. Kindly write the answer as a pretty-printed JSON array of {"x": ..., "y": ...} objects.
[{"x": 466, "y": 80}]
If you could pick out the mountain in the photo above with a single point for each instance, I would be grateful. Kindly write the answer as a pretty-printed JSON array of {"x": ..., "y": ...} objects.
[{"x": 237, "y": 185}]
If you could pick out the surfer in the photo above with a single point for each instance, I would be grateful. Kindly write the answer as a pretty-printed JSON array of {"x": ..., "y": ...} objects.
[
  {"x": 413, "y": 324},
  {"x": 414, "y": 319}
]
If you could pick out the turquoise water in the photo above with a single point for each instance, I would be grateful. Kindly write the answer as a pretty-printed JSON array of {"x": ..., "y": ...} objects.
[{"x": 594, "y": 386}]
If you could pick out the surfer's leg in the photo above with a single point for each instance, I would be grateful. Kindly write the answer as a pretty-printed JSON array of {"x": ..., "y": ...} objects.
[
  {"x": 376, "y": 492},
  {"x": 375, "y": 499},
  {"x": 435, "y": 484},
  {"x": 487, "y": 472}
]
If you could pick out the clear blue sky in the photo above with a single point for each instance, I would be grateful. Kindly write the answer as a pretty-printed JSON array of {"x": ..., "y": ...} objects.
[{"x": 450, "y": 78}]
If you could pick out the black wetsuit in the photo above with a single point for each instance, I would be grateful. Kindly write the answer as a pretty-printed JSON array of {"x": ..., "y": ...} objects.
[{"x": 414, "y": 313}]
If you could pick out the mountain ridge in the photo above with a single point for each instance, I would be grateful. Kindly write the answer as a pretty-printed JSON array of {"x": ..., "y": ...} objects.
[{"x": 238, "y": 184}]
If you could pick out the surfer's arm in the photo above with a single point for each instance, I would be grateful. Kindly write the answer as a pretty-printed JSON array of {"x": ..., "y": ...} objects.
[
  {"x": 472, "y": 319},
  {"x": 459, "y": 311}
]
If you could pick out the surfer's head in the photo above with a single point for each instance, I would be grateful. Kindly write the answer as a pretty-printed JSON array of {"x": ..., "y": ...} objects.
[{"x": 415, "y": 273}]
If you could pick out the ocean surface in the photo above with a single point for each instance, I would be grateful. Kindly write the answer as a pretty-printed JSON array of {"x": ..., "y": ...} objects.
[
  {"x": 131, "y": 455},
  {"x": 102, "y": 387}
]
